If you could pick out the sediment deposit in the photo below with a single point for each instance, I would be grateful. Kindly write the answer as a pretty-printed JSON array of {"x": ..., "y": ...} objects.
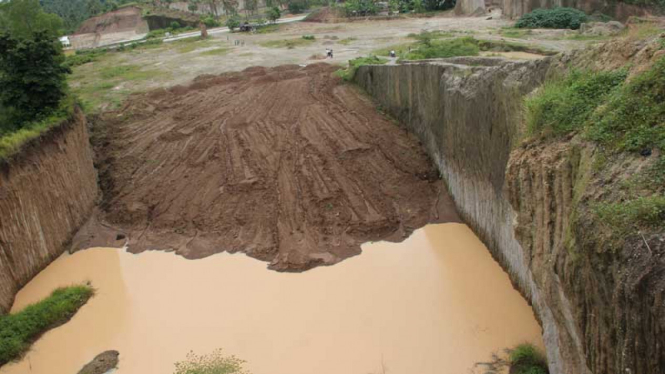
[{"x": 286, "y": 164}]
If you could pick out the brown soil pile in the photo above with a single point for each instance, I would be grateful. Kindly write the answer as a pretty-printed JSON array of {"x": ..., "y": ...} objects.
[{"x": 286, "y": 164}]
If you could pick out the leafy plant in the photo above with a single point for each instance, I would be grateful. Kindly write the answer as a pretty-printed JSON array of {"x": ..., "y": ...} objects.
[
  {"x": 555, "y": 18},
  {"x": 428, "y": 48},
  {"x": 527, "y": 359}
]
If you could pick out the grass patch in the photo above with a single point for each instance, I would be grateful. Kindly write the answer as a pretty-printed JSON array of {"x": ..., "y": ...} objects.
[
  {"x": 215, "y": 52},
  {"x": 633, "y": 117},
  {"x": 214, "y": 363},
  {"x": 287, "y": 43},
  {"x": 19, "y": 330},
  {"x": 12, "y": 142},
  {"x": 84, "y": 57},
  {"x": 515, "y": 33},
  {"x": 128, "y": 73},
  {"x": 347, "y": 41},
  {"x": 348, "y": 73},
  {"x": 527, "y": 359},
  {"x": 427, "y": 48},
  {"x": 632, "y": 216},
  {"x": 436, "y": 34},
  {"x": 564, "y": 105},
  {"x": 267, "y": 29}
]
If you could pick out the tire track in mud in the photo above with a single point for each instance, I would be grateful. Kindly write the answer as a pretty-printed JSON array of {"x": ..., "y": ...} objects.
[{"x": 286, "y": 164}]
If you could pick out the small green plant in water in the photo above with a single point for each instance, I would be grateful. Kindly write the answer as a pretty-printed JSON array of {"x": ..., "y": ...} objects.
[
  {"x": 527, "y": 359},
  {"x": 19, "y": 330},
  {"x": 213, "y": 363}
]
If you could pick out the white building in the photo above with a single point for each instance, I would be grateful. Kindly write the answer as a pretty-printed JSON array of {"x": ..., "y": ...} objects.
[{"x": 65, "y": 41}]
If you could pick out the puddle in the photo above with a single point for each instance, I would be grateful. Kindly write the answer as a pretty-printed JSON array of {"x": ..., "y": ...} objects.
[{"x": 436, "y": 303}]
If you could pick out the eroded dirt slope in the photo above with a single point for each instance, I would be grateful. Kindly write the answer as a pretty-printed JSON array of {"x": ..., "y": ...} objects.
[{"x": 286, "y": 164}]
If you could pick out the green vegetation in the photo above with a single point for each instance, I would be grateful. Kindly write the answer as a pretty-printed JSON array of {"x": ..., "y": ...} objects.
[
  {"x": 267, "y": 29},
  {"x": 308, "y": 37},
  {"x": 515, "y": 33},
  {"x": 215, "y": 52},
  {"x": 160, "y": 33},
  {"x": 32, "y": 77},
  {"x": 233, "y": 23},
  {"x": 84, "y": 57},
  {"x": 22, "y": 19},
  {"x": 74, "y": 12},
  {"x": 633, "y": 118},
  {"x": 400, "y": 49},
  {"x": 347, "y": 41},
  {"x": 214, "y": 363},
  {"x": 287, "y": 43},
  {"x": 564, "y": 105},
  {"x": 621, "y": 116},
  {"x": 428, "y": 48},
  {"x": 19, "y": 330},
  {"x": 631, "y": 216},
  {"x": 11, "y": 142},
  {"x": 527, "y": 359},
  {"x": 348, "y": 73},
  {"x": 555, "y": 18},
  {"x": 273, "y": 14}
]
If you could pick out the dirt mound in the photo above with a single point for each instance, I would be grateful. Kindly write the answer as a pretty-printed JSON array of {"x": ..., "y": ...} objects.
[
  {"x": 324, "y": 14},
  {"x": 124, "y": 19},
  {"x": 286, "y": 164}
]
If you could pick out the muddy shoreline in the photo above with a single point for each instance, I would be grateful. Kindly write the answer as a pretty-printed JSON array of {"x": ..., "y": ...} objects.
[{"x": 288, "y": 165}]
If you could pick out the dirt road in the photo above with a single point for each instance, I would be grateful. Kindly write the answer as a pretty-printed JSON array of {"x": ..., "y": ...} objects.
[{"x": 286, "y": 164}]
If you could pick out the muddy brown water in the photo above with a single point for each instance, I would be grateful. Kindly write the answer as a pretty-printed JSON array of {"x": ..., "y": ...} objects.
[{"x": 435, "y": 303}]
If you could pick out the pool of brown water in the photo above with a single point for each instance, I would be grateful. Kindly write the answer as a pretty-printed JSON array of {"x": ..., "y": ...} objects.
[{"x": 435, "y": 303}]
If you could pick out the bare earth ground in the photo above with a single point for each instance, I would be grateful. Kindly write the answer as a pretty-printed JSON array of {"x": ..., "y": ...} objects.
[
  {"x": 181, "y": 61},
  {"x": 286, "y": 164}
]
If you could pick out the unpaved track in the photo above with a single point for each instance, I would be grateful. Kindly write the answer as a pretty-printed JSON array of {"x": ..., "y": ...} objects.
[{"x": 286, "y": 164}]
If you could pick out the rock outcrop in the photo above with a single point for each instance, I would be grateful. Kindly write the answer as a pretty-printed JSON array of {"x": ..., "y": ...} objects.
[
  {"x": 601, "y": 311},
  {"x": 46, "y": 193}
]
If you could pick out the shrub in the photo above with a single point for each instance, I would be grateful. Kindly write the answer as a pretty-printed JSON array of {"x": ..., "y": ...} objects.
[
  {"x": 296, "y": 7},
  {"x": 527, "y": 359},
  {"x": 210, "y": 21},
  {"x": 630, "y": 216},
  {"x": 19, "y": 330},
  {"x": 348, "y": 73},
  {"x": 214, "y": 363},
  {"x": 564, "y": 105},
  {"x": 32, "y": 77},
  {"x": 556, "y": 18},
  {"x": 233, "y": 23},
  {"x": 175, "y": 25},
  {"x": 308, "y": 37},
  {"x": 273, "y": 14}
]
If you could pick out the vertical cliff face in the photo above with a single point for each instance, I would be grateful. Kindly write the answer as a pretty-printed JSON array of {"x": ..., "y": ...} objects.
[
  {"x": 46, "y": 193},
  {"x": 602, "y": 310},
  {"x": 466, "y": 112}
]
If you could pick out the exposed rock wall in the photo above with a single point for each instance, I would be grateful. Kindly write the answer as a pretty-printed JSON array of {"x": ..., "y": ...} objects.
[
  {"x": 467, "y": 118},
  {"x": 602, "y": 311},
  {"x": 46, "y": 193}
]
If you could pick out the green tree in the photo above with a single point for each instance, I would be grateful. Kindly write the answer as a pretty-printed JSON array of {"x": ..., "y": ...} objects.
[
  {"x": 32, "y": 77},
  {"x": 251, "y": 6},
  {"x": 273, "y": 14},
  {"x": 24, "y": 18},
  {"x": 232, "y": 23}
]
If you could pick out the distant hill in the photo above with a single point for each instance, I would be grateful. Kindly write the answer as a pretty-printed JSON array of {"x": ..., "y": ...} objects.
[{"x": 74, "y": 12}]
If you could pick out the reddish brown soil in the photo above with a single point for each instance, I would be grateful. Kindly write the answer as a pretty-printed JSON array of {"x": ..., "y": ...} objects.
[
  {"x": 124, "y": 19},
  {"x": 288, "y": 165}
]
